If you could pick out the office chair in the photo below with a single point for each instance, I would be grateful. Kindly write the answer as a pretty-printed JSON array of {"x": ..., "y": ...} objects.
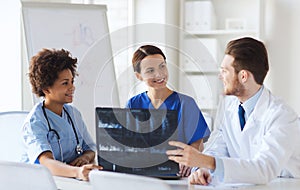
[
  {"x": 209, "y": 121},
  {"x": 117, "y": 181},
  {"x": 17, "y": 175},
  {"x": 10, "y": 135}
]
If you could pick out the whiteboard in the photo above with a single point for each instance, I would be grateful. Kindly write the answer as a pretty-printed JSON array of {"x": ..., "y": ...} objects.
[{"x": 81, "y": 29}]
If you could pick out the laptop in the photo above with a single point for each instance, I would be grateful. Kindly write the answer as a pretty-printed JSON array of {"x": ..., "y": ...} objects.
[
  {"x": 135, "y": 141},
  {"x": 124, "y": 181},
  {"x": 17, "y": 175}
]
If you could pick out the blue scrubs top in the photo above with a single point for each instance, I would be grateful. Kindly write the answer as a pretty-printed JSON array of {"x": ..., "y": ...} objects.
[
  {"x": 37, "y": 138},
  {"x": 191, "y": 123}
]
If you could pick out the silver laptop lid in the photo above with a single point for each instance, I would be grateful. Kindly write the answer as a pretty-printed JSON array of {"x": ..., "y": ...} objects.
[{"x": 15, "y": 176}]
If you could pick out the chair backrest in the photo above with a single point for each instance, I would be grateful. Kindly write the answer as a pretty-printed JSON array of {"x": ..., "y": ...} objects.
[
  {"x": 17, "y": 175},
  {"x": 10, "y": 136},
  {"x": 208, "y": 119},
  {"x": 117, "y": 181}
]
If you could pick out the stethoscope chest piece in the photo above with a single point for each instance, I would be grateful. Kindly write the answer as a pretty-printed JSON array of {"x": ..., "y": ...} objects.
[{"x": 79, "y": 149}]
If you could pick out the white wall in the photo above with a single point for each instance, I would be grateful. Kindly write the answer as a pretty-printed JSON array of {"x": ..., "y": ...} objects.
[
  {"x": 283, "y": 43},
  {"x": 282, "y": 38},
  {"x": 164, "y": 13}
]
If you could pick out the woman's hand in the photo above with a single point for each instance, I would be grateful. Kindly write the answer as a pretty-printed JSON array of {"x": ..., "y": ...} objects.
[
  {"x": 86, "y": 158},
  {"x": 83, "y": 171},
  {"x": 80, "y": 161}
]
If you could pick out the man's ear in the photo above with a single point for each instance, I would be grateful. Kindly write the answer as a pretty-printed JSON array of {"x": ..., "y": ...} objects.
[
  {"x": 243, "y": 76},
  {"x": 138, "y": 76}
]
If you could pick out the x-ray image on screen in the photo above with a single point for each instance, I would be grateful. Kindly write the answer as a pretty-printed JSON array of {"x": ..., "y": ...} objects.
[{"x": 136, "y": 140}]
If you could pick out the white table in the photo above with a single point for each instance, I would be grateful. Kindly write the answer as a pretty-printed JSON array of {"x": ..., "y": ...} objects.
[
  {"x": 64, "y": 183},
  {"x": 277, "y": 184}
]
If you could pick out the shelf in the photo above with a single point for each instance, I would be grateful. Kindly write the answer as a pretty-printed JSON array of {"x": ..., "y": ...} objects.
[
  {"x": 210, "y": 73},
  {"x": 212, "y": 24},
  {"x": 222, "y": 32}
]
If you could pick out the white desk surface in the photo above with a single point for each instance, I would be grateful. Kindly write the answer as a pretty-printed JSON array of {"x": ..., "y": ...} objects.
[{"x": 277, "y": 184}]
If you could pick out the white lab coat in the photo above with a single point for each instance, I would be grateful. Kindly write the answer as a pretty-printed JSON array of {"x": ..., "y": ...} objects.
[{"x": 269, "y": 145}]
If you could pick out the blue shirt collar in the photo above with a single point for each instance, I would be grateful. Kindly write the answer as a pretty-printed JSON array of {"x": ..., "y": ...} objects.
[{"x": 251, "y": 102}]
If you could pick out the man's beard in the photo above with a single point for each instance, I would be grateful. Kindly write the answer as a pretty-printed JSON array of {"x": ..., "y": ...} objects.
[{"x": 237, "y": 89}]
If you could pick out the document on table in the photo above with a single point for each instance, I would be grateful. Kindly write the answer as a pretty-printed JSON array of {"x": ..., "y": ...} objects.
[
  {"x": 184, "y": 182},
  {"x": 224, "y": 186}
]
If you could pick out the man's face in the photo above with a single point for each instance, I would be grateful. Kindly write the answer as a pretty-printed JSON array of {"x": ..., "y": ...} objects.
[{"x": 232, "y": 85}]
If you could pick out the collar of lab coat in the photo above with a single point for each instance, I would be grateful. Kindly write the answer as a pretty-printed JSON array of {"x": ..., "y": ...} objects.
[{"x": 261, "y": 105}]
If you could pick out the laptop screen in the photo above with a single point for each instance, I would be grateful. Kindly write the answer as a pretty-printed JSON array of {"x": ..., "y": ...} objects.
[{"x": 136, "y": 140}]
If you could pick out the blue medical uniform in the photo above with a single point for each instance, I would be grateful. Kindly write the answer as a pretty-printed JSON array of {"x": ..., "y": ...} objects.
[
  {"x": 37, "y": 138},
  {"x": 191, "y": 123}
]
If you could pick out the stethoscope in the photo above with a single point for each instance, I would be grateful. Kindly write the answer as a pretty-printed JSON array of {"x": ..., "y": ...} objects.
[{"x": 78, "y": 148}]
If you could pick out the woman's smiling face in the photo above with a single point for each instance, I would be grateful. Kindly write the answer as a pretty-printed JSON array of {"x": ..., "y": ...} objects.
[{"x": 154, "y": 71}]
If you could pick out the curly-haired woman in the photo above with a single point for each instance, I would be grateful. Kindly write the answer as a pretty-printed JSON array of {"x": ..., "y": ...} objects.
[{"x": 54, "y": 133}]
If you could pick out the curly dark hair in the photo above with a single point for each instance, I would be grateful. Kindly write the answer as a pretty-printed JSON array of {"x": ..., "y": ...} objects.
[{"x": 45, "y": 67}]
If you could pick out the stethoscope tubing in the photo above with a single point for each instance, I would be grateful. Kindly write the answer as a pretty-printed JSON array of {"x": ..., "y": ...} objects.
[{"x": 78, "y": 148}]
